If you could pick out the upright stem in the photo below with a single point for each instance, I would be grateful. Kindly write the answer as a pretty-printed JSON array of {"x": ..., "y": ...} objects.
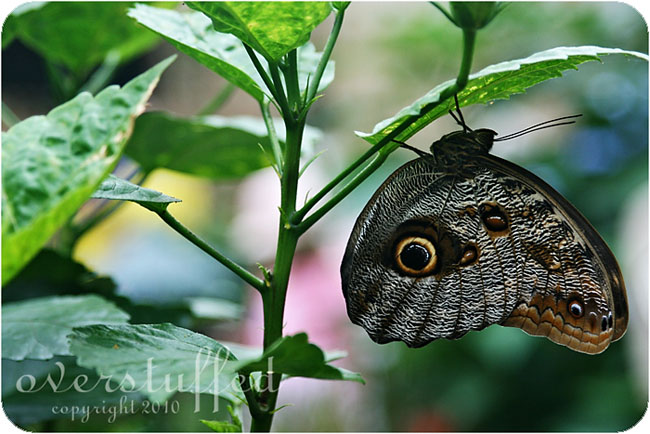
[
  {"x": 280, "y": 94},
  {"x": 273, "y": 300},
  {"x": 327, "y": 52},
  {"x": 469, "y": 41},
  {"x": 291, "y": 78},
  {"x": 293, "y": 223}
]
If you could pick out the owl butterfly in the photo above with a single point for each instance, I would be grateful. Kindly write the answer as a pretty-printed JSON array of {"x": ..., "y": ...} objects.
[{"x": 459, "y": 239}]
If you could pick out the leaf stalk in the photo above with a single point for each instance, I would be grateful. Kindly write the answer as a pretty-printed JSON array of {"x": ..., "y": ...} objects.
[{"x": 240, "y": 271}]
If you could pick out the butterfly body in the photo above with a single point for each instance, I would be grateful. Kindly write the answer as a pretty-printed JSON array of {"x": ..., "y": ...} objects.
[{"x": 459, "y": 239}]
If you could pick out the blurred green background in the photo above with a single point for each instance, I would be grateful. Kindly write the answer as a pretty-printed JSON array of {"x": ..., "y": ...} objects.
[{"x": 388, "y": 54}]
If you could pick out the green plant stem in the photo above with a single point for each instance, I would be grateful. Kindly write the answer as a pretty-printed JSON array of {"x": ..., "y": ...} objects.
[
  {"x": 325, "y": 56},
  {"x": 291, "y": 78},
  {"x": 219, "y": 100},
  {"x": 469, "y": 42},
  {"x": 280, "y": 95},
  {"x": 273, "y": 136},
  {"x": 261, "y": 71},
  {"x": 240, "y": 271},
  {"x": 293, "y": 223},
  {"x": 249, "y": 394},
  {"x": 273, "y": 300}
]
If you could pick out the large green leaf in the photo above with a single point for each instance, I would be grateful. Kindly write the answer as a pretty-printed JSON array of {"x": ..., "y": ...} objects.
[
  {"x": 296, "y": 357},
  {"x": 38, "y": 328},
  {"x": 79, "y": 35},
  {"x": 52, "y": 164},
  {"x": 193, "y": 34},
  {"x": 213, "y": 146},
  {"x": 160, "y": 359},
  {"x": 494, "y": 82},
  {"x": 271, "y": 28},
  {"x": 157, "y": 360},
  {"x": 115, "y": 188}
]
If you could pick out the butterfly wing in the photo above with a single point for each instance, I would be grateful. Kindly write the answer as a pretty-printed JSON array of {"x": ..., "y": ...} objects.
[{"x": 502, "y": 247}]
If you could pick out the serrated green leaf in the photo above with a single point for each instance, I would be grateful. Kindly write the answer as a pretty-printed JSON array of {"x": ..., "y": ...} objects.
[
  {"x": 52, "y": 164},
  {"x": 193, "y": 34},
  {"x": 115, "y": 188},
  {"x": 296, "y": 357},
  {"x": 38, "y": 328},
  {"x": 494, "y": 82},
  {"x": 215, "y": 147},
  {"x": 157, "y": 360},
  {"x": 270, "y": 28},
  {"x": 79, "y": 35}
]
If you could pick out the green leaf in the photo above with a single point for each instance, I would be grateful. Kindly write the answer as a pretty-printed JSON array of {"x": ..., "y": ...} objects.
[
  {"x": 213, "y": 146},
  {"x": 494, "y": 82},
  {"x": 115, "y": 188},
  {"x": 79, "y": 35},
  {"x": 52, "y": 164},
  {"x": 193, "y": 34},
  {"x": 38, "y": 328},
  {"x": 270, "y": 28},
  {"x": 296, "y": 357},
  {"x": 219, "y": 426},
  {"x": 157, "y": 360}
]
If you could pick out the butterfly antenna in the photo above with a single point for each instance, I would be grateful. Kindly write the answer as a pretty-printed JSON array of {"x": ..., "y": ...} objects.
[
  {"x": 564, "y": 120},
  {"x": 405, "y": 145}
]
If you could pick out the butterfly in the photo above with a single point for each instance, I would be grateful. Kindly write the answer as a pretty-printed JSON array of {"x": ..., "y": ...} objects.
[{"x": 459, "y": 239}]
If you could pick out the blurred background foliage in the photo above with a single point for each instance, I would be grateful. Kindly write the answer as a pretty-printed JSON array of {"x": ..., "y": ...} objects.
[{"x": 388, "y": 55}]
